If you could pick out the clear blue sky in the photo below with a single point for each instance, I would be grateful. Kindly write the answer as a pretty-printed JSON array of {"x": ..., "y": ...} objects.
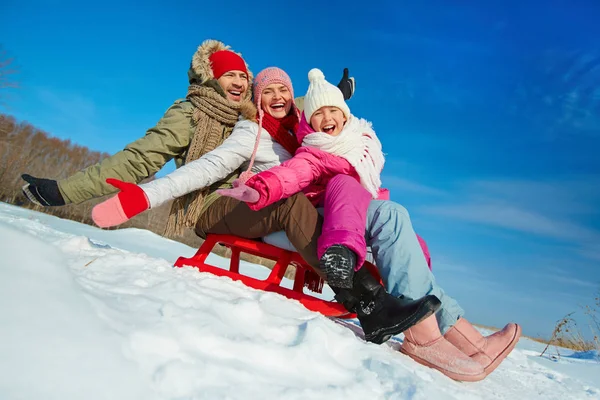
[{"x": 489, "y": 115}]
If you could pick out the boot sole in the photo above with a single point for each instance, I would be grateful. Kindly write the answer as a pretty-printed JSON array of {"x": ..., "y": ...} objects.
[
  {"x": 337, "y": 269},
  {"x": 451, "y": 375},
  {"x": 490, "y": 368},
  {"x": 425, "y": 310}
]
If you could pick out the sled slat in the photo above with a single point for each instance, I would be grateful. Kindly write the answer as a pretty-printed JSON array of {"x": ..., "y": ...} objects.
[{"x": 283, "y": 258}]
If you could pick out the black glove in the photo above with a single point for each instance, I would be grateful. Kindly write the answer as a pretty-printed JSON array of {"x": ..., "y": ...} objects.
[
  {"x": 346, "y": 85},
  {"x": 43, "y": 192}
]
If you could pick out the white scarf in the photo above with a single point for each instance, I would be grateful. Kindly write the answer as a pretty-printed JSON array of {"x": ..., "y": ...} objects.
[{"x": 359, "y": 145}]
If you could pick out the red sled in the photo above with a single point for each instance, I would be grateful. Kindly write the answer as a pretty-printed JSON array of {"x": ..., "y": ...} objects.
[{"x": 305, "y": 275}]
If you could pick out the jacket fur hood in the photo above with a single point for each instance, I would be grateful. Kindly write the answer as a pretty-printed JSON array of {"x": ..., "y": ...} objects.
[
  {"x": 201, "y": 71},
  {"x": 248, "y": 110}
]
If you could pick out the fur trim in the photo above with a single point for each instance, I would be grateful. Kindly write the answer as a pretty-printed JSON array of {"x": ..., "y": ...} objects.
[
  {"x": 248, "y": 111},
  {"x": 201, "y": 69}
]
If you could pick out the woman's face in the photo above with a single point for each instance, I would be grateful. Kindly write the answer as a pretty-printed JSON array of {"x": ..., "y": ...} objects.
[
  {"x": 327, "y": 119},
  {"x": 276, "y": 99}
]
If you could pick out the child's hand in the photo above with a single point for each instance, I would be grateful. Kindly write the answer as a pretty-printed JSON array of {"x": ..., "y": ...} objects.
[
  {"x": 241, "y": 192},
  {"x": 346, "y": 85},
  {"x": 130, "y": 201}
]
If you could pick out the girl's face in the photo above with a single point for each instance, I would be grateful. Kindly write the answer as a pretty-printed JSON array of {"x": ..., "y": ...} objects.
[
  {"x": 276, "y": 99},
  {"x": 328, "y": 119}
]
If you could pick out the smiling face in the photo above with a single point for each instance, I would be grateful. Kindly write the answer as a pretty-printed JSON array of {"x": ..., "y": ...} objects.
[
  {"x": 328, "y": 119},
  {"x": 276, "y": 99},
  {"x": 235, "y": 84}
]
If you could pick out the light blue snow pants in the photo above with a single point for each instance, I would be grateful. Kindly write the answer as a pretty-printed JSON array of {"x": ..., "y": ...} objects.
[{"x": 400, "y": 260}]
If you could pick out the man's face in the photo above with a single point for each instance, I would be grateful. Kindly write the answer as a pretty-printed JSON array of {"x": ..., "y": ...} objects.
[{"x": 235, "y": 84}]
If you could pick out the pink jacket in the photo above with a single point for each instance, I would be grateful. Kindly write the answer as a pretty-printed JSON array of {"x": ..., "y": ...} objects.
[{"x": 308, "y": 171}]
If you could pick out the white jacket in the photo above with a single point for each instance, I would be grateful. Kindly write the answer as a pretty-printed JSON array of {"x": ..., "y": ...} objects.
[{"x": 233, "y": 153}]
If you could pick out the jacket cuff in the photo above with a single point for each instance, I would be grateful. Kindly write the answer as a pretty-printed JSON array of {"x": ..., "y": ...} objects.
[
  {"x": 68, "y": 193},
  {"x": 269, "y": 188}
]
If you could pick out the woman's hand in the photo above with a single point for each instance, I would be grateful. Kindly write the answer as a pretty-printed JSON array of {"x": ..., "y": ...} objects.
[
  {"x": 241, "y": 192},
  {"x": 130, "y": 201}
]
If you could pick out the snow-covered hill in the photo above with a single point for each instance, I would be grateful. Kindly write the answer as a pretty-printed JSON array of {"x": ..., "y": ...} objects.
[{"x": 92, "y": 314}]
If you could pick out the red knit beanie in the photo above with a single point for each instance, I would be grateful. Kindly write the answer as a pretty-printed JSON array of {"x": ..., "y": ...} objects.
[{"x": 223, "y": 61}]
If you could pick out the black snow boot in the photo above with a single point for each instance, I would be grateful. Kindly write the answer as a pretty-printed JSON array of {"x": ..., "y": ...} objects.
[
  {"x": 380, "y": 314},
  {"x": 338, "y": 264}
]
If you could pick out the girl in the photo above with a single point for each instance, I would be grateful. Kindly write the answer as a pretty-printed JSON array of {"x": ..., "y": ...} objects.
[{"x": 338, "y": 167}]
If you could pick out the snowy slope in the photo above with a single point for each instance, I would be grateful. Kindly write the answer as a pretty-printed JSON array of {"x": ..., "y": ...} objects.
[{"x": 99, "y": 314}]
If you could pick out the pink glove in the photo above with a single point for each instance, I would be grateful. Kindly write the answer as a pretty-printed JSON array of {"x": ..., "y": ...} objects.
[
  {"x": 241, "y": 192},
  {"x": 130, "y": 201}
]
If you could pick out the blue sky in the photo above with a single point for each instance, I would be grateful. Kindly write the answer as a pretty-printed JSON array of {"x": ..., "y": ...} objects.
[{"x": 489, "y": 115}]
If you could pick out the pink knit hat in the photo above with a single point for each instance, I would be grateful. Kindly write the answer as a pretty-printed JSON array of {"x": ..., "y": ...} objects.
[
  {"x": 269, "y": 76},
  {"x": 265, "y": 78}
]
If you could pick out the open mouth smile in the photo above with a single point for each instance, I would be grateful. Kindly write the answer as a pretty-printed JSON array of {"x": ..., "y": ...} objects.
[{"x": 328, "y": 129}]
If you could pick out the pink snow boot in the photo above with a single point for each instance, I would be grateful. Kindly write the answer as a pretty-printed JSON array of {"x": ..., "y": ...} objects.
[
  {"x": 488, "y": 351},
  {"x": 425, "y": 344}
]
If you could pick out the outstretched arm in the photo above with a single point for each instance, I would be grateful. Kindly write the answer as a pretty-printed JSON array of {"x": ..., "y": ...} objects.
[
  {"x": 137, "y": 161},
  {"x": 208, "y": 169},
  {"x": 279, "y": 182}
]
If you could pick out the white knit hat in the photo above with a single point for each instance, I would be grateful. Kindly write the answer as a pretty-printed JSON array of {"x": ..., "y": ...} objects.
[{"x": 322, "y": 93}]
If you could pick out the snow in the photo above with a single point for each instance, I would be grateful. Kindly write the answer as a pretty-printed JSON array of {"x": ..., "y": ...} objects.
[{"x": 96, "y": 314}]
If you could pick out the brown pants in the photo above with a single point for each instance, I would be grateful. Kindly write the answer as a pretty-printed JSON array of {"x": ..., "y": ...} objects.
[{"x": 294, "y": 215}]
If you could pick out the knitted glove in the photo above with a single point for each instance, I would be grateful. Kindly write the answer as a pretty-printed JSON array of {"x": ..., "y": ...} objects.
[
  {"x": 346, "y": 85},
  {"x": 241, "y": 192},
  {"x": 130, "y": 201},
  {"x": 43, "y": 192}
]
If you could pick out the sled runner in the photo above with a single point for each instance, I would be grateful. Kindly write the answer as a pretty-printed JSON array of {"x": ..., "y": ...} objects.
[{"x": 305, "y": 275}]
